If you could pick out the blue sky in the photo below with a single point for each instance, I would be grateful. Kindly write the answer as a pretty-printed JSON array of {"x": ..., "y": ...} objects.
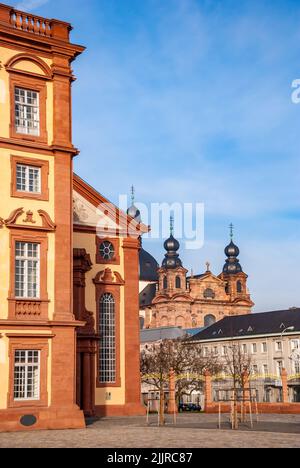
[{"x": 190, "y": 100}]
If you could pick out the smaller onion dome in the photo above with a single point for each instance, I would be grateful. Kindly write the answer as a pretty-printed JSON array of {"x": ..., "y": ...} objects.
[
  {"x": 232, "y": 265},
  {"x": 133, "y": 211},
  {"x": 232, "y": 250},
  {"x": 171, "y": 245}
]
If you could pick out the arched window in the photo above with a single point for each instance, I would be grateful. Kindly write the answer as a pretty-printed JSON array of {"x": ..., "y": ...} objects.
[
  {"x": 107, "y": 347},
  {"x": 209, "y": 320},
  {"x": 164, "y": 322},
  {"x": 165, "y": 283},
  {"x": 209, "y": 294},
  {"x": 194, "y": 322},
  {"x": 178, "y": 282},
  {"x": 180, "y": 322},
  {"x": 239, "y": 287}
]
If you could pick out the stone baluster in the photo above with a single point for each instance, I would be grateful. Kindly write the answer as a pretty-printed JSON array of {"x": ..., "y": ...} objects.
[
  {"x": 36, "y": 25},
  {"x": 18, "y": 21}
]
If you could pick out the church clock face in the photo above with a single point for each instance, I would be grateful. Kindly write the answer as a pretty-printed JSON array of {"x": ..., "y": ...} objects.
[{"x": 107, "y": 250}]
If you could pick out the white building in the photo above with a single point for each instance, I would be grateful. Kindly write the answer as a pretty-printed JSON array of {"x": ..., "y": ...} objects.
[{"x": 272, "y": 339}]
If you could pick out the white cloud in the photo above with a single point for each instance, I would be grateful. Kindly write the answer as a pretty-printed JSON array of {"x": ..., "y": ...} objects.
[{"x": 29, "y": 5}]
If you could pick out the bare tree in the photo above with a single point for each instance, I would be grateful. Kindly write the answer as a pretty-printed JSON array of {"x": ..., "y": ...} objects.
[
  {"x": 238, "y": 363},
  {"x": 188, "y": 363}
]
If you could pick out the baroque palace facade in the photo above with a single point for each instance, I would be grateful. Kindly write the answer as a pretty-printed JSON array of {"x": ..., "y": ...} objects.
[
  {"x": 69, "y": 315},
  {"x": 168, "y": 297}
]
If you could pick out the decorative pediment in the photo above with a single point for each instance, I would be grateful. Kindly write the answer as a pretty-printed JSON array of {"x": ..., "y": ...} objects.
[
  {"x": 160, "y": 298},
  {"x": 28, "y": 64},
  {"x": 243, "y": 301},
  {"x": 85, "y": 214},
  {"x": 39, "y": 221},
  {"x": 182, "y": 297},
  {"x": 211, "y": 278},
  {"x": 109, "y": 277},
  {"x": 93, "y": 212},
  {"x": 46, "y": 220}
]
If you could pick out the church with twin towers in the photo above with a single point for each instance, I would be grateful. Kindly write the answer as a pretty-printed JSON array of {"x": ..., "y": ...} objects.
[{"x": 170, "y": 297}]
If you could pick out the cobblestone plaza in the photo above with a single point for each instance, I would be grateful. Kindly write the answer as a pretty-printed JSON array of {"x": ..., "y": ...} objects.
[{"x": 191, "y": 431}]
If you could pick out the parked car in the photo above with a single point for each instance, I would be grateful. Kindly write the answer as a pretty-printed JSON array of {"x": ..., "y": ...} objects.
[{"x": 189, "y": 407}]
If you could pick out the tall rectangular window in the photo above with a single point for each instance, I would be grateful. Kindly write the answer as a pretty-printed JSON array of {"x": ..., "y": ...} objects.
[
  {"x": 264, "y": 347},
  {"x": 279, "y": 367},
  {"x": 28, "y": 179},
  {"x": 254, "y": 348},
  {"x": 107, "y": 349},
  {"x": 278, "y": 345},
  {"x": 27, "y": 375},
  {"x": 265, "y": 369},
  {"x": 27, "y": 270},
  {"x": 295, "y": 344},
  {"x": 27, "y": 112}
]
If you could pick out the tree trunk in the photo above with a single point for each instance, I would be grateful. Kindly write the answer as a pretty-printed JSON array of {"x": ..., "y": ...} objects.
[
  {"x": 235, "y": 407},
  {"x": 162, "y": 408}
]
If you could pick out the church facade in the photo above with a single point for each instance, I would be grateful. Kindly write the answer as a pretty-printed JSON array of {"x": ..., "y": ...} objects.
[
  {"x": 196, "y": 301},
  {"x": 69, "y": 315},
  {"x": 105, "y": 291}
]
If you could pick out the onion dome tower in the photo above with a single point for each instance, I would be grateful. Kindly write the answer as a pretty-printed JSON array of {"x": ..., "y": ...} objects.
[
  {"x": 133, "y": 211},
  {"x": 232, "y": 265},
  {"x": 235, "y": 279},
  {"x": 171, "y": 245}
]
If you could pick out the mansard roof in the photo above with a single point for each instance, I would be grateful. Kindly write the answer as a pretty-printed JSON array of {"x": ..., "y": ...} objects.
[
  {"x": 148, "y": 266},
  {"x": 147, "y": 295},
  {"x": 266, "y": 323},
  {"x": 151, "y": 335}
]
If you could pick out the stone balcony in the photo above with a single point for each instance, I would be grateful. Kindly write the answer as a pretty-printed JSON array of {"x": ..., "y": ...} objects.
[{"x": 13, "y": 19}]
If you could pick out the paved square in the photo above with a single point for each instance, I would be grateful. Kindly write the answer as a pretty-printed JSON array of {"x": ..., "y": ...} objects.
[{"x": 192, "y": 431}]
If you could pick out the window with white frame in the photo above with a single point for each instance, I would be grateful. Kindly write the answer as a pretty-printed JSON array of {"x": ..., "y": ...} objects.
[
  {"x": 107, "y": 332},
  {"x": 27, "y": 270},
  {"x": 27, "y": 375},
  {"x": 264, "y": 347},
  {"x": 27, "y": 112},
  {"x": 254, "y": 348},
  {"x": 206, "y": 352},
  {"x": 255, "y": 369},
  {"x": 244, "y": 348},
  {"x": 278, "y": 345},
  {"x": 297, "y": 366},
  {"x": 28, "y": 179},
  {"x": 295, "y": 344},
  {"x": 279, "y": 367},
  {"x": 224, "y": 350},
  {"x": 265, "y": 369}
]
